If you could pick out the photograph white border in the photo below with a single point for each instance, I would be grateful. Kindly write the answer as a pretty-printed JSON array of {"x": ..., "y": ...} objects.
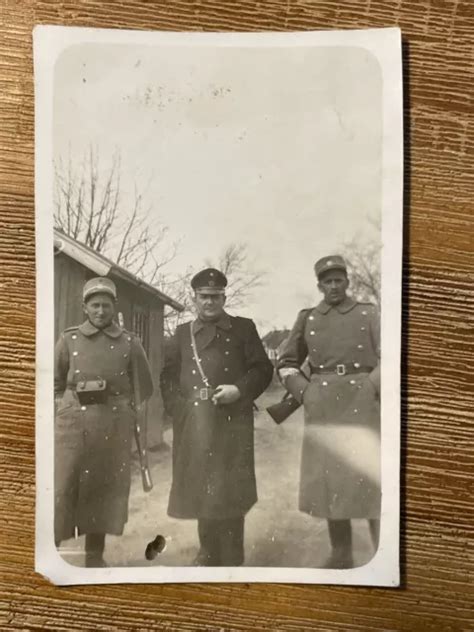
[{"x": 385, "y": 45}]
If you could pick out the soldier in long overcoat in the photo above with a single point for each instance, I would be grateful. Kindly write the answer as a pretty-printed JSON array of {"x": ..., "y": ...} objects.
[
  {"x": 101, "y": 375},
  {"x": 340, "y": 466},
  {"x": 215, "y": 367}
]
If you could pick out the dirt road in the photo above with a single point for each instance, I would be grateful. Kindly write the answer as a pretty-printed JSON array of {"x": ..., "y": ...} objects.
[{"x": 276, "y": 532}]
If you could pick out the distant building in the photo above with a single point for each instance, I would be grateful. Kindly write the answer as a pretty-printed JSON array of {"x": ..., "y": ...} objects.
[
  {"x": 140, "y": 308},
  {"x": 273, "y": 342}
]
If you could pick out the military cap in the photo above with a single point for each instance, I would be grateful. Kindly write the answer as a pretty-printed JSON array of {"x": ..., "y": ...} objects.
[
  {"x": 333, "y": 262},
  {"x": 99, "y": 284},
  {"x": 210, "y": 280}
]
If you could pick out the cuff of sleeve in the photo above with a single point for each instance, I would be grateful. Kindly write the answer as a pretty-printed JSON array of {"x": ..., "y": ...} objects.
[
  {"x": 296, "y": 385},
  {"x": 244, "y": 388}
]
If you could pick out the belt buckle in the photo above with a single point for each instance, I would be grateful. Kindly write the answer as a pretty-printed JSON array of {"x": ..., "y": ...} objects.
[
  {"x": 341, "y": 369},
  {"x": 203, "y": 394}
]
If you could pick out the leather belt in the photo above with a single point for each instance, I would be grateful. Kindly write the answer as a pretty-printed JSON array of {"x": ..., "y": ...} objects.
[
  {"x": 203, "y": 394},
  {"x": 342, "y": 369}
]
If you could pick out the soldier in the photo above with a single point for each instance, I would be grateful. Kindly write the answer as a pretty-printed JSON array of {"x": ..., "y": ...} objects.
[
  {"x": 101, "y": 374},
  {"x": 215, "y": 367},
  {"x": 340, "y": 466}
]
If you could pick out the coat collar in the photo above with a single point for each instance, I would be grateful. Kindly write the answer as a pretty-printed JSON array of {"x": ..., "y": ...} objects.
[
  {"x": 344, "y": 307},
  {"x": 88, "y": 329},
  {"x": 222, "y": 323}
]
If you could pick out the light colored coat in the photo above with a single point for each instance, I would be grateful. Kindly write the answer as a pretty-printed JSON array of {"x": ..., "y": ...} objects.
[{"x": 340, "y": 464}]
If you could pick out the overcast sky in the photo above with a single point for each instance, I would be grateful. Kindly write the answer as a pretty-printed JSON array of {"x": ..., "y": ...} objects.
[{"x": 277, "y": 148}]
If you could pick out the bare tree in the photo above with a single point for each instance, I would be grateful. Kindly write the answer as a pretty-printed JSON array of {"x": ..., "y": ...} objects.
[
  {"x": 363, "y": 260},
  {"x": 179, "y": 288},
  {"x": 90, "y": 208},
  {"x": 243, "y": 277},
  {"x": 241, "y": 271}
]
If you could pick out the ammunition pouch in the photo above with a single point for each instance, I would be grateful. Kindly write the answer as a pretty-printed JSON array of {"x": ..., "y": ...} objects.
[{"x": 91, "y": 392}]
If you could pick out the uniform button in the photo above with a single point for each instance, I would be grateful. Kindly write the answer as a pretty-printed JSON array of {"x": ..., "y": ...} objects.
[
  {"x": 227, "y": 352},
  {"x": 122, "y": 372},
  {"x": 129, "y": 339},
  {"x": 352, "y": 382},
  {"x": 226, "y": 369},
  {"x": 117, "y": 393},
  {"x": 355, "y": 411},
  {"x": 114, "y": 408},
  {"x": 311, "y": 333},
  {"x": 74, "y": 336},
  {"x": 311, "y": 317},
  {"x": 362, "y": 328},
  {"x": 83, "y": 407},
  {"x": 75, "y": 353},
  {"x": 86, "y": 471},
  {"x": 125, "y": 355},
  {"x": 196, "y": 403},
  {"x": 112, "y": 347},
  {"x": 360, "y": 346},
  {"x": 193, "y": 371},
  {"x": 77, "y": 371},
  {"x": 364, "y": 313},
  {"x": 195, "y": 388},
  {"x": 321, "y": 366},
  {"x": 356, "y": 365},
  {"x": 227, "y": 339},
  {"x": 325, "y": 383}
]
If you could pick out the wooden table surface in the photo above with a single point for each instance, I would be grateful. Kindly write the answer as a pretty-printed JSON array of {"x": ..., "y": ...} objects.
[{"x": 437, "y": 366}]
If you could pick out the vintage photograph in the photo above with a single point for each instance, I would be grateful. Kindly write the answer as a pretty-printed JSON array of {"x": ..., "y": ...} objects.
[{"x": 219, "y": 237}]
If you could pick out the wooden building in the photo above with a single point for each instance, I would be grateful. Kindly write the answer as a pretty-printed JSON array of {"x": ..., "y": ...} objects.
[{"x": 140, "y": 308}]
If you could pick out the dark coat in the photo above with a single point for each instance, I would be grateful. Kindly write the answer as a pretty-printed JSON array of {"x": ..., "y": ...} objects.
[
  {"x": 340, "y": 466},
  {"x": 93, "y": 442},
  {"x": 213, "y": 446}
]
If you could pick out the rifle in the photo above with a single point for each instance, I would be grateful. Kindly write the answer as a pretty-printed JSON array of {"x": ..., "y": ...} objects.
[
  {"x": 284, "y": 408},
  {"x": 287, "y": 406},
  {"x": 140, "y": 422}
]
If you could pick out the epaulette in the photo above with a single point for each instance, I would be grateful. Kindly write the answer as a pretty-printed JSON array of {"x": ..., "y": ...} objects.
[{"x": 75, "y": 328}]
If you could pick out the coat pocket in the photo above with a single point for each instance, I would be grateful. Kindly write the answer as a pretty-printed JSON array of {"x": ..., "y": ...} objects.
[{"x": 64, "y": 403}]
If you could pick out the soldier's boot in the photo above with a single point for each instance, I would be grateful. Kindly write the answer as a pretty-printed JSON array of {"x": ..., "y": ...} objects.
[
  {"x": 374, "y": 527},
  {"x": 208, "y": 554},
  {"x": 340, "y": 535},
  {"x": 95, "y": 545},
  {"x": 231, "y": 541}
]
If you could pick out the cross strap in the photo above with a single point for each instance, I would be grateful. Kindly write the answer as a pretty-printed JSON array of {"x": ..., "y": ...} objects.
[{"x": 197, "y": 358}]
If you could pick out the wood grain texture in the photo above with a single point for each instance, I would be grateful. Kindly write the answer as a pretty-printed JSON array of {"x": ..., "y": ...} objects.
[{"x": 438, "y": 306}]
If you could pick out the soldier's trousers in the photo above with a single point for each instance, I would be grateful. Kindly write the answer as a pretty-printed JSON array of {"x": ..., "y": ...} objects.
[{"x": 222, "y": 541}]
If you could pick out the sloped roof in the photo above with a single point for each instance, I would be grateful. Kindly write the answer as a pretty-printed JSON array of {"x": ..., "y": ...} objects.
[
  {"x": 102, "y": 266},
  {"x": 274, "y": 338}
]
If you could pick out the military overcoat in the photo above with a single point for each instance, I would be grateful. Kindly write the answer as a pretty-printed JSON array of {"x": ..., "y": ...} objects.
[
  {"x": 340, "y": 465},
  {"x": 213, "y": 446},
  {"x": 93, "y": 442}
]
